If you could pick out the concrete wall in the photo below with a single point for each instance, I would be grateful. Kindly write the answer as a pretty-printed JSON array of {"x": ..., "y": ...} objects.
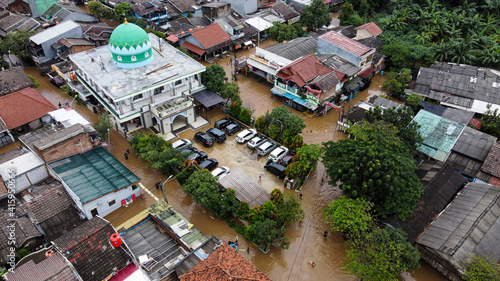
[
  {"x": 213, "y": 13},
  {"x": 34, "y": 176},
  {"x": 77, "y": 144},
  {"x": 49, "y": 51},
  {"x": 243, "y": 7},
  {"x": 102, "y": 205},
  {"x": 325, "y": 47},
  {"x": 77, "y": 49}
]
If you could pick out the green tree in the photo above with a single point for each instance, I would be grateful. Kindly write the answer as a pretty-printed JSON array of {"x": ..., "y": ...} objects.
[
  {"x": 397, "y": 82},
  {"x": 284, "y": 32},
  {"x": 398, "y": 55},
  {"x": 17, "y": 43},
  {"x": 490, "y": 122},
  {"x": 383, "y": 255},
  {"x": 350, "y": 216},
  {"x": 36, "y": 84},
  {"x": 231, "y": 91},
  {"x": 103, "y": 126},
  {"x": 96, "y": 8},
  {"x": 316, "y": 15},
  {"x": 346, "y": 12},
  {"x": 480, "y": 269},
  {"x": 167, "y": 160},
  {"x": 293, "y": 123},
  {"x": 122, "y": 10},
  {"x": 289, "y": 210},
  {"x": 234, "y": 110},
  {"x": 304, "y": 161},
  {"x": 213, "y": 77},
  {"x": 384, "y": 175},
  {"x": 379, "y": 132},
  {"x": 266, "y": 233},
  {"x": 260, "y": 124},
  {"x": 413, "y": 101},
  {"x": 245, "y": 116}
]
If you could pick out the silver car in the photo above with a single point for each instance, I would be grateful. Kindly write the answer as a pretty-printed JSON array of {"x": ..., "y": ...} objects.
[
  {"x": 182, "y": 144},
  {"x": 245, "y": 135},
  {"x": 255, "y": 142},
  {"x": 278, "y": 154},
  {"x": 266, "y": 147}
]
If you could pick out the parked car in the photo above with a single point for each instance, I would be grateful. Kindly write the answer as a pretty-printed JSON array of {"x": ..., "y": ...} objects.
[
  {"x": 266, "y": 147},
  {"x": 222, "y": 123},
  {"x": 220, "y": 172},
  {"x": 277, "y": 169},
  {"x": 182, "y": 144},
  {"x": 245, "y": 135},
  {"x": 278, "y": 153},
  {"x": 209, "y": 164},
  {"x": 188, "y": 151},
  {"x": 199, "y": 156},
  {"x": 204, "y": 139},
  {"x": 233, "y": 128},
  {"x": 217, "y": 135},
  {"x": 286, "y": 160},
  {"x": 255, "y": 142}
]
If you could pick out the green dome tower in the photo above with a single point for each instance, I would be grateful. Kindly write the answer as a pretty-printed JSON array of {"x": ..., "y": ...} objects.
[{"x": 130, "y": 46}]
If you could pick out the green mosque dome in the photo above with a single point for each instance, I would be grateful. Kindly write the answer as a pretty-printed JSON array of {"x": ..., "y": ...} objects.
[{"x": 130, "y": 46}]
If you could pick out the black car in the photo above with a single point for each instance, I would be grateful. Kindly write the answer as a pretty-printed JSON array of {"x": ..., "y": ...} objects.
[
  {"x": 286, "y": 160},
  {"x": 277, "y": 169},
  {"x": 199, "y": 156},
  {"x": 233, "y": 128},
  {"x": 204, "y": 139},
  {"x": 188, "y": 151},
  {"x": 222, "y": 123},
  {"x": 217, "y": 135},
  {"x": 209, "y": 164}
]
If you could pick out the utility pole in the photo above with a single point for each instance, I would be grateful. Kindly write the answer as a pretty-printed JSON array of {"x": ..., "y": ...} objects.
[{"x": 163, "y": 187}]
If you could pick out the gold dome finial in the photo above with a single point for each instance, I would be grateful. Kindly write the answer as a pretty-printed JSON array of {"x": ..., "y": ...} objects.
[{"x": 125, "y": 21}]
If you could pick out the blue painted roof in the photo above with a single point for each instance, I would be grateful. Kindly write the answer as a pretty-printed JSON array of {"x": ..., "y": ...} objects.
[{"x": 93, "y": 174}]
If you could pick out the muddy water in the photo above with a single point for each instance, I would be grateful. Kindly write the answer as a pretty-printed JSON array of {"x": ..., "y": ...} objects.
[{"x": 306, "y": 239}]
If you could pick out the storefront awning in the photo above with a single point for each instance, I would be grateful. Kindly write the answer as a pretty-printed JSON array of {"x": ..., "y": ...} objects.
[
  {"x": 207, "y": 98},
  {"x": 193, "y": 48}
]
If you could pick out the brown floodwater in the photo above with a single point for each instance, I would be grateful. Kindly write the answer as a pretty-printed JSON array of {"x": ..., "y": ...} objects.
[{"x": 306, "y": 239}]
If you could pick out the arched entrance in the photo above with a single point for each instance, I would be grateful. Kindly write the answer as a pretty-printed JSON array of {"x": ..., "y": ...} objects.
[{"x": 180, "y": 122}]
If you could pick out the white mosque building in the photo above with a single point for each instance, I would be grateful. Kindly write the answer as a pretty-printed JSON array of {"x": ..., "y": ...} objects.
[{"x": 141, "y": 81}]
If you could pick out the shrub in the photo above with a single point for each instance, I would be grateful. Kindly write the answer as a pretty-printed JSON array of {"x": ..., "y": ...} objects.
[{"x": 234, "y": 110}]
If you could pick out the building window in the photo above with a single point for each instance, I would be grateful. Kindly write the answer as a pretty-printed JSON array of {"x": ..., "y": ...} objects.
[
  {"x": 134, "y": 58},
  {"x": 159, "y": 90},
  {"x": 146, "y": 54},
  {"x": 119, "y": 58},
  {"x": 111, "y": 203},
  {"x": 178, "y": 82},
  {"x": 139, "y": 96},
  {"x": 135, "y": 186}
]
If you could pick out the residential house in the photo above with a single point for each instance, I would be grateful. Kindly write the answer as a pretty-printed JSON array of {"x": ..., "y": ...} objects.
[
  {"x": 460, "y": 86},
  {"x": 378, "y": 61},
  {"x": 243, "y": 8},
  {"x": 259, "y": 24},
  {"x": 300, "y": 3},
  {"x": 15, "y": 6},
  {"x": 172, "y": 12},
  {"x": 441, "y": 185},
  {"x": 24, "y": 167},
  {"x": 98, "y": 34},
  {"x": 58, "y": 13},
  {"x": 97, "y": 181},
  {"x": 12, "y": 80},
  {"x": 183, "y": 25},
  {"x": 187, "y": 7},
  {"x": 267, "y": 62},
  {"x": 208, "y": 42},
  {"x": 151, "y": 89},
  {"x": 439, "y": 135},
  {"x": 153, "y": 12},
  {"x": 224, "y": 263},
  {"x": 340, "y": 65},
  {"x": 38, "y": 7},
  {"x": 66, "y": 46},
  {"x": 490, "y": 171},
  {"x": 367, "y": 30},
  {"x": 39, "y": 267},
  {"x": 245, "y": 187},
  {"x": 41, "y": 43},
  {"x": 10, "y": 22},
  {"x": 306, "y": 84},
  {"x": 5, "y": 135},
  {"x": 282, "y": 9},
  {"x": 25, "y": 110},
  {"x": 89, "y": 250},
  {"x": 466, "y": 227},
  {"x": 348, "y": 49},
  {"x": 216, "y": 10},
  {"x": 454, "y": 114},
  {"x": 234, "y": 28}
]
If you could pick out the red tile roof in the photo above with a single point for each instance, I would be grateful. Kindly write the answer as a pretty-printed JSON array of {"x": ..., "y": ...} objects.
[
  {"x": 224, "y": 264},
  {"x": 372, "y": 28},
  {"x": 367, "y": 72},
  {"x": 173, "y": 38},
  {"x": 55, "y": 267},
  {"x": 193, "y": 48},
  {"x": 211, "y": 35},
  {"x": 24, "y": 106},
  {"x": 345, "y": 43},
  {"x": 303, "y": 70}
]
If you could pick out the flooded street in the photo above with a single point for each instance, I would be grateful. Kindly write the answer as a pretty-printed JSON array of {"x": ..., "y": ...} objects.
[{"x": 306, "y": 240}]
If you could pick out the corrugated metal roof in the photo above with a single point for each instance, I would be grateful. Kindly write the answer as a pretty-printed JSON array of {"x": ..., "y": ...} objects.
[
  {"x": 93, "y": 174},
  {"x": 296, "y": 48},
  {"x": 474, "y": 143},
  {"x": 259, "y": 23},
  {"x": 53, "y": 32},
  {"x": 246, "y": 188}
]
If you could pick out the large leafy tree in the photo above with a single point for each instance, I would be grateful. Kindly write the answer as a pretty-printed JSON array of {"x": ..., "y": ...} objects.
[
  {"x": 17, "y": 43},
  {"x": 96, "y": 8},
  {"x": 479, "y": 269},
  {"x": 351, "y": 216},
  {"x": 304, "y": 161},
  {"x": 397, "y": 82},
  {"x": 103, "y": 126},
  {"x": 316, "y": 15},
  {"x": 490, "y": 123},
  {"x": 231, "y": 91},
  {"x": 266, "y": 233},
  {"x": 288, "y": 210},
  {"x": 383, "y": 255},
  {"x": 122, "y": 10},
  {"x": 379, "y": 173},
  {"x": 281, "y": 32},
  {"x": 214, "y": 77}
]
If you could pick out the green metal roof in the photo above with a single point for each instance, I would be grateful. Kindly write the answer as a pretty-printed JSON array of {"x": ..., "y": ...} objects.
[
  {"x": 93, "y": 174},
  {"x": 128, "y": 35},
  {"x": 44, "y": 5},
  {"x": 439, "y": 134}
]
